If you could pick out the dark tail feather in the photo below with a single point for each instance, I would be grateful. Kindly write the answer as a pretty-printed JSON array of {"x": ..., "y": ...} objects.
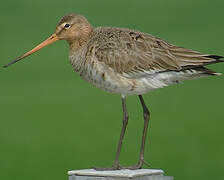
[
  {"x": 207, "y": 71},
  {"x": 217, "y": 60},
  {"x": 215, "y": 57}
]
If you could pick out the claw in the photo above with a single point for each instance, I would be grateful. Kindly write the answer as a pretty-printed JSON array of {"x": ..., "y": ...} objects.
[
  {"x": 118, "y": 167},
  {"x": 137, "y": 166},
  {"x": 114, "y": 167},
  {"x": 146, "y": 163}
]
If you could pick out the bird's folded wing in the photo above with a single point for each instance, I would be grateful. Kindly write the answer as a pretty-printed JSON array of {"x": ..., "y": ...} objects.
[{"x": 135, "y": 54}]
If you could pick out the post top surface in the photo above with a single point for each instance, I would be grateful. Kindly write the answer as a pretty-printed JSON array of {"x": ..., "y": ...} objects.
[{"x": 116, "y": 173}]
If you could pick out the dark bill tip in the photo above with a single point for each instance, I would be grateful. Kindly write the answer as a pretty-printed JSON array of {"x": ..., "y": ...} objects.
[{"x": 12, "y": 62}]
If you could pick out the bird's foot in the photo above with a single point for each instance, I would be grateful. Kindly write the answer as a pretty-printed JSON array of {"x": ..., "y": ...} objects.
[
  {"x": 114, "y": 167},
  {"x": 119, "y": 167},
  {"x": 137, "y": 166}
]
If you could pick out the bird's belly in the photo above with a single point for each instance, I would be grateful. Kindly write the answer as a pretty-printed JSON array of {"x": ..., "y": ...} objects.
[
  {"x": 110, "y": 81},
  {"x": 107, "y": 81},
  {"x": 124, "y": 86},
  {"x": 114, "y": 82}
]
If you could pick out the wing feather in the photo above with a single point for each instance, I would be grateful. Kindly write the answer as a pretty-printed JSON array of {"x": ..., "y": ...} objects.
[{"x": 134, "y": 53}]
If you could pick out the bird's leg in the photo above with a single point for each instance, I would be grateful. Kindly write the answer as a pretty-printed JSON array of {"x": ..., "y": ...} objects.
[
  {"x": 116, "y": 165},
  {"x": 124, "y": 125},
  {"x": 146, "y": 115}
]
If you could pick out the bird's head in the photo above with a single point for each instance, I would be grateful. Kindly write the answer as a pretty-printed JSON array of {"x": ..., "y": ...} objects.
[{"x": 73, "y": 28}]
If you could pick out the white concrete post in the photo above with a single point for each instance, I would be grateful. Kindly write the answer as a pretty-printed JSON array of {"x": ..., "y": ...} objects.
[{"x": 125, "y": 174}]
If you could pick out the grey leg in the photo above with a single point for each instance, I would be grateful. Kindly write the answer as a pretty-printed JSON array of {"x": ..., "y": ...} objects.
[
  {"x": 146, "y": 115},
  {"x": 124, "y": 126}
]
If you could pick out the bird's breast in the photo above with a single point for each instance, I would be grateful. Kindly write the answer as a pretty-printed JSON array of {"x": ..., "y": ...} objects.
[{"x": 101, "y": 75}]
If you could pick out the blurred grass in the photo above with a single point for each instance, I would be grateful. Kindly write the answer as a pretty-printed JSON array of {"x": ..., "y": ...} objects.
[{"x": 52, "y": 121}]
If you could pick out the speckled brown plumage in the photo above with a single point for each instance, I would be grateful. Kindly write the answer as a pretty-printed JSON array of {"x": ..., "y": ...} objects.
[{"x": 129, "y": 51}]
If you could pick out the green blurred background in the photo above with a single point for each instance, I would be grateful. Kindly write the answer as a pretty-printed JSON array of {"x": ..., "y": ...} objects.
[{"x": 52, "y": 121}]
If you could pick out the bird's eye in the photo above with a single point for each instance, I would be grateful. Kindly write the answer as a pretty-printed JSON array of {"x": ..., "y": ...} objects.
[{"x": 67, "y": 25}]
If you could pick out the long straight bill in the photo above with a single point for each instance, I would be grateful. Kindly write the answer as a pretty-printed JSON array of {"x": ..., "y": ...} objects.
[{"x": 48, "y": 41}]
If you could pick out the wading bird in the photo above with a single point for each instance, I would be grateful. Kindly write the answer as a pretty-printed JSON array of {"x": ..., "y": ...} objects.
[{"x": 127, "y": 62}]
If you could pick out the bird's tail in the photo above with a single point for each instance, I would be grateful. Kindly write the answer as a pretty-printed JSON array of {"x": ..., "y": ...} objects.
[
  {"x": 200, "y": 66},
  {"x": 206, "y": 71}
]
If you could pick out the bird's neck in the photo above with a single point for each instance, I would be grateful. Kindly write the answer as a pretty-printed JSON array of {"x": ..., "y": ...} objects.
[{"x": 85, "y": 35}]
